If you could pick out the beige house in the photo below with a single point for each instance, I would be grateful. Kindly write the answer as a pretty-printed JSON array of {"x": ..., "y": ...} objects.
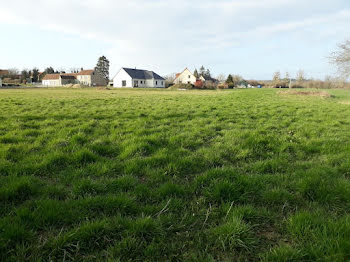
[
  {"x": 91, "y": 78},
  {"x": 186, "y": 77},
  {"x": 58, "y": 79}
]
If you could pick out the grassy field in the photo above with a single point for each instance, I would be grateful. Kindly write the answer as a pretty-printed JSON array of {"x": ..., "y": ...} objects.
[{"x": 147, "y": 175}]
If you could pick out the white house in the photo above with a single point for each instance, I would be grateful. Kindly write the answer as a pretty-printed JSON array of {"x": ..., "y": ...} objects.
[
  {"x": 186, "y": 77},
  {"x": 132, "y": 78}
]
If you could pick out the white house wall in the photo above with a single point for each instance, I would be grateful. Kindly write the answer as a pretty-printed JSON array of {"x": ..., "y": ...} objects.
[
  {"x": 54, "y": 82},
  {"x": 123, "y": 75},
  {"x": 159, "y": 83},
  {"x": 185, "y": 77},
  {"x": 143, "y": 84},
  {"x": 120, "y": 77}
]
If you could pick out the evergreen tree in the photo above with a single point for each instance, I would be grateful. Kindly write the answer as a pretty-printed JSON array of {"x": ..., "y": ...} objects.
[
  {"x": 207, "y": 73},
  {"x": 195, "y": 73},
  {"x": 49, "y": 70},
  {"x": 102, "y": 67},
  {"x": 229, "y": 79},
  {"x": 35, "y": 75},
  {"x": 202, "y": 71},
  {"x": 24, "y": 74}
]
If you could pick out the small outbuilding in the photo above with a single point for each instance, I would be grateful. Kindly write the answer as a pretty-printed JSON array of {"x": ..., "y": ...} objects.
[{"x": 53, "y": 80}]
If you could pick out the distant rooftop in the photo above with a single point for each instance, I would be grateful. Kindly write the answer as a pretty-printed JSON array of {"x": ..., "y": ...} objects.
[{"x": 142, "y": 74}]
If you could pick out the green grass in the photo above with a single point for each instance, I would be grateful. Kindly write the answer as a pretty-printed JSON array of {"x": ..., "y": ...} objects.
[{"x": 159, "y": 175}]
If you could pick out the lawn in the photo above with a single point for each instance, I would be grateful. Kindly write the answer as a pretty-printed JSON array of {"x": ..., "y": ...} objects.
[{"x": 158, "y": 175}]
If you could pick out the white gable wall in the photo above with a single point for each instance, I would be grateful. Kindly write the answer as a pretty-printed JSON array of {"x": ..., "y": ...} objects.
[
  {"x": 121, "y": 76},
  {"x": 185, "y": 78}
]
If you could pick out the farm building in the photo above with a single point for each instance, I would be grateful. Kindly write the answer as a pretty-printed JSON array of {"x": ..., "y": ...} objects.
[
  {"x": 4, "y": 72},
  {"x": 91, "y": 78},
  {"x": 132, "y": 78},
  {"x": 186, "y": 77},
  {"x": 58, "y": 79},
  {"x": 84, "y": 77}
]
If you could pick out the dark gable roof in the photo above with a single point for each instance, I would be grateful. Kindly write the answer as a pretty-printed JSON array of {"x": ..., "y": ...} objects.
[
  {"x": 209, "y": 78},
  {"x": 142, "y": 74},
  {"x": 67, "y": 76}
]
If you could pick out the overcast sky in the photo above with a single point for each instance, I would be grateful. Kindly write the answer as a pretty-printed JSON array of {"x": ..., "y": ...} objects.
[{"x": 253, "y": 38}]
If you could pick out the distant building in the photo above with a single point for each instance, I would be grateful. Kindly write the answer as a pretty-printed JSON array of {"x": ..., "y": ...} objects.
[
  {"x": 10, "y": 77},
  {"x": 91, "y": 78},
  {"x": 208, "y": 79},
  {"x": 4, "y": 72},
  {"x": 84, "y": 77},
  {"x": 133, "y": 78},
  {"x": 0, "y": 82},
  {"x": 53, "y": 80},
  {"x": 185, "y": 77}
]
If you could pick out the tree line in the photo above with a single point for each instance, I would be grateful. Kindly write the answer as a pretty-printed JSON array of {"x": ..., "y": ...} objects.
[{"x": 34, "y": 75}]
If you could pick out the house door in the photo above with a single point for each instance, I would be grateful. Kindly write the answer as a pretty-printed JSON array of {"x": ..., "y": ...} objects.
[{"x": 136, "y": 83}]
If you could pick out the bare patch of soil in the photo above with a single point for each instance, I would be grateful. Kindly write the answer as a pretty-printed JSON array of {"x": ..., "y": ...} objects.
[{"x": 322, "y": 94}]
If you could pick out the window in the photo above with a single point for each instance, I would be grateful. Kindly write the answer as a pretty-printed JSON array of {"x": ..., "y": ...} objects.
[
  {"x": 141, "y": 82},
  {"x": 156, "y": 82},
  {"x": 162, "y": 82},
  {"x": 124, "y": 83},
  {"x": 189, "y": 76}
]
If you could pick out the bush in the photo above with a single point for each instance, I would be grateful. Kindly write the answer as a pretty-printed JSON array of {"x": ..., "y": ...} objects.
[
  {"x": 223, "y": 86},
  {"x": 181, "y": 86}
]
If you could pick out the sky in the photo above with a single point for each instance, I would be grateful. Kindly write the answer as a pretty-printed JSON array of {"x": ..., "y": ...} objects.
[{"x": 252, "y": 38}]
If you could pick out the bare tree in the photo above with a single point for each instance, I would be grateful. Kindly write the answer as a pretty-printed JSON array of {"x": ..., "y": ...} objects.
[
  {"x": 13, "y": 72},
  {"x": 169, "y": 79},
  {"x": 341, "y": 59},
  {"x": 74, "y": 70},
  {"x": 221, "y": 78},
  {"x": 287, "y": 76},
  {"x": 276, "y": 76},
  {"x": 300, "y": 75}
]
